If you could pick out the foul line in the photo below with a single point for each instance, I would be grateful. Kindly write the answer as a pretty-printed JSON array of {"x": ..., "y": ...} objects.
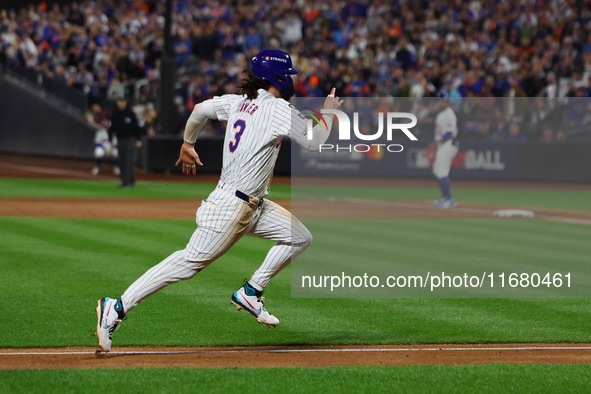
[
  {"x": 463, "y": 209},
  {"x": 52, "y": 171},
  {"x": 399, "y": 204},
  {"x": 307, "y": 350},
  {"x": 565, "y": 220}
]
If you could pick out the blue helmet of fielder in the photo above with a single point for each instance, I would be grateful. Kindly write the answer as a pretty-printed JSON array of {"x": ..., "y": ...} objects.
[{"x": 275, "y": 66}]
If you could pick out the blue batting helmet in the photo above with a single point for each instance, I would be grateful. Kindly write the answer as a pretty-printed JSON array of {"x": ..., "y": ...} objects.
[{"x": 275, "y": 66}]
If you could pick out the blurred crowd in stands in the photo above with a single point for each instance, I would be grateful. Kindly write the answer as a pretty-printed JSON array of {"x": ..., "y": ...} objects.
[{"x": 466, "y": 49}]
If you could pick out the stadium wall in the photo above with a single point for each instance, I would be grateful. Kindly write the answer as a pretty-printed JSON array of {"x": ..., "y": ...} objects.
[
  {"x": 160, "y": 154},
  {"x": 532, "y": 161},
  {"x": 33, "y": 125},
  {"x": 552, "y": 162}
]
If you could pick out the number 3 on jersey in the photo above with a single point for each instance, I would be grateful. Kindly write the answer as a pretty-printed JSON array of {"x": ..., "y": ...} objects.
[{"x": 240, "y": 124}]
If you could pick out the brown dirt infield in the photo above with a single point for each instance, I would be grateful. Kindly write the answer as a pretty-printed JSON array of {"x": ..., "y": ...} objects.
[
  {"x": 293, "y": 356},
  {"x": 144, "y": 208},
  {"x": 133, "y": 357}
]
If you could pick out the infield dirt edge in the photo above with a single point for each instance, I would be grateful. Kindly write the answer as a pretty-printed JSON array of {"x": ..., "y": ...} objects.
[{"x": 295, "y": 356}]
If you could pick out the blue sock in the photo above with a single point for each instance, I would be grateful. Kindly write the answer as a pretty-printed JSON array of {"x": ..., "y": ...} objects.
[
  {"x": 445, "y": 187},
  {"x": 251, "y": 291},
  {"x": 119, "y": 308}
]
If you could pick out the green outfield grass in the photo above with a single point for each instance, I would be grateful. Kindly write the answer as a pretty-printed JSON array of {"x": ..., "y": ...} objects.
[
  {"x": 53, "y": 271},
  {"x": 476, "y": 247},
  {"x": 15, "y": 187},
  {"x": 490, "y": 378},
  {"x": 540, "y": 198},
  {"x": 548, "y": 198}
]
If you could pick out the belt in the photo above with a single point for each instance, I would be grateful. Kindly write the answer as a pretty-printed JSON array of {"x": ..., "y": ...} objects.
[{"x": 243, "y": 196}]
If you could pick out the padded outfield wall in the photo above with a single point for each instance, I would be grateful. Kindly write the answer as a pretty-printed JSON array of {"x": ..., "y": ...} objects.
[
  {"x": 31, "y": 124},
  {"x": 533, "y": 161}
]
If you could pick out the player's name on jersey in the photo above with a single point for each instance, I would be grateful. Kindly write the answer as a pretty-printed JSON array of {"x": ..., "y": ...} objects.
[{"x": 249, "y": 108}]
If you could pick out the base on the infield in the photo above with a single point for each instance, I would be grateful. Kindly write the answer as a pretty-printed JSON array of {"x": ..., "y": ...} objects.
[{"x": 513, "y": 213}]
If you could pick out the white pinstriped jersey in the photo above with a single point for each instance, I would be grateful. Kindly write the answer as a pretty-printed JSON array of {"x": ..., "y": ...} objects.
[
  {"x": 446, "y": 121},
  {"x": 253, "y": 138},
  {"x": 255, "y": 129}
]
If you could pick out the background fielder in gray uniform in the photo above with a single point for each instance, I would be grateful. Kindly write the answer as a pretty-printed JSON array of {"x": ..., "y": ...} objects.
[
  {"x": 257, "y": 121},
  {"x": 446, "y": 130}
]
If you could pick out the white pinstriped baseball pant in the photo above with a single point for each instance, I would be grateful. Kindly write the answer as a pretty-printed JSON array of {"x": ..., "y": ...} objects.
[
  {"x": 445, "y": 155},
  {"x": 223, "y": 219}
]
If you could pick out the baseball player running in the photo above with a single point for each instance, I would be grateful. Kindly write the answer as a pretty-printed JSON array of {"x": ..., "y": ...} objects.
[
  {"x": 446, "y": 131},
  {"x": 257, "y": 121}
]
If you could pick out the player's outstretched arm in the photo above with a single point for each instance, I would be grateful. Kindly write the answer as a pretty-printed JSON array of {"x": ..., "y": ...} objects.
[
  {"x": 201, "y": 113},
  {"x": 319, "y": 133},
  {"x": 332, "y": 102}
]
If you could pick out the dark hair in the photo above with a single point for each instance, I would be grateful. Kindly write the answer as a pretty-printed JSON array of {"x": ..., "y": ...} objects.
[{"x": 251, "y": 84}]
